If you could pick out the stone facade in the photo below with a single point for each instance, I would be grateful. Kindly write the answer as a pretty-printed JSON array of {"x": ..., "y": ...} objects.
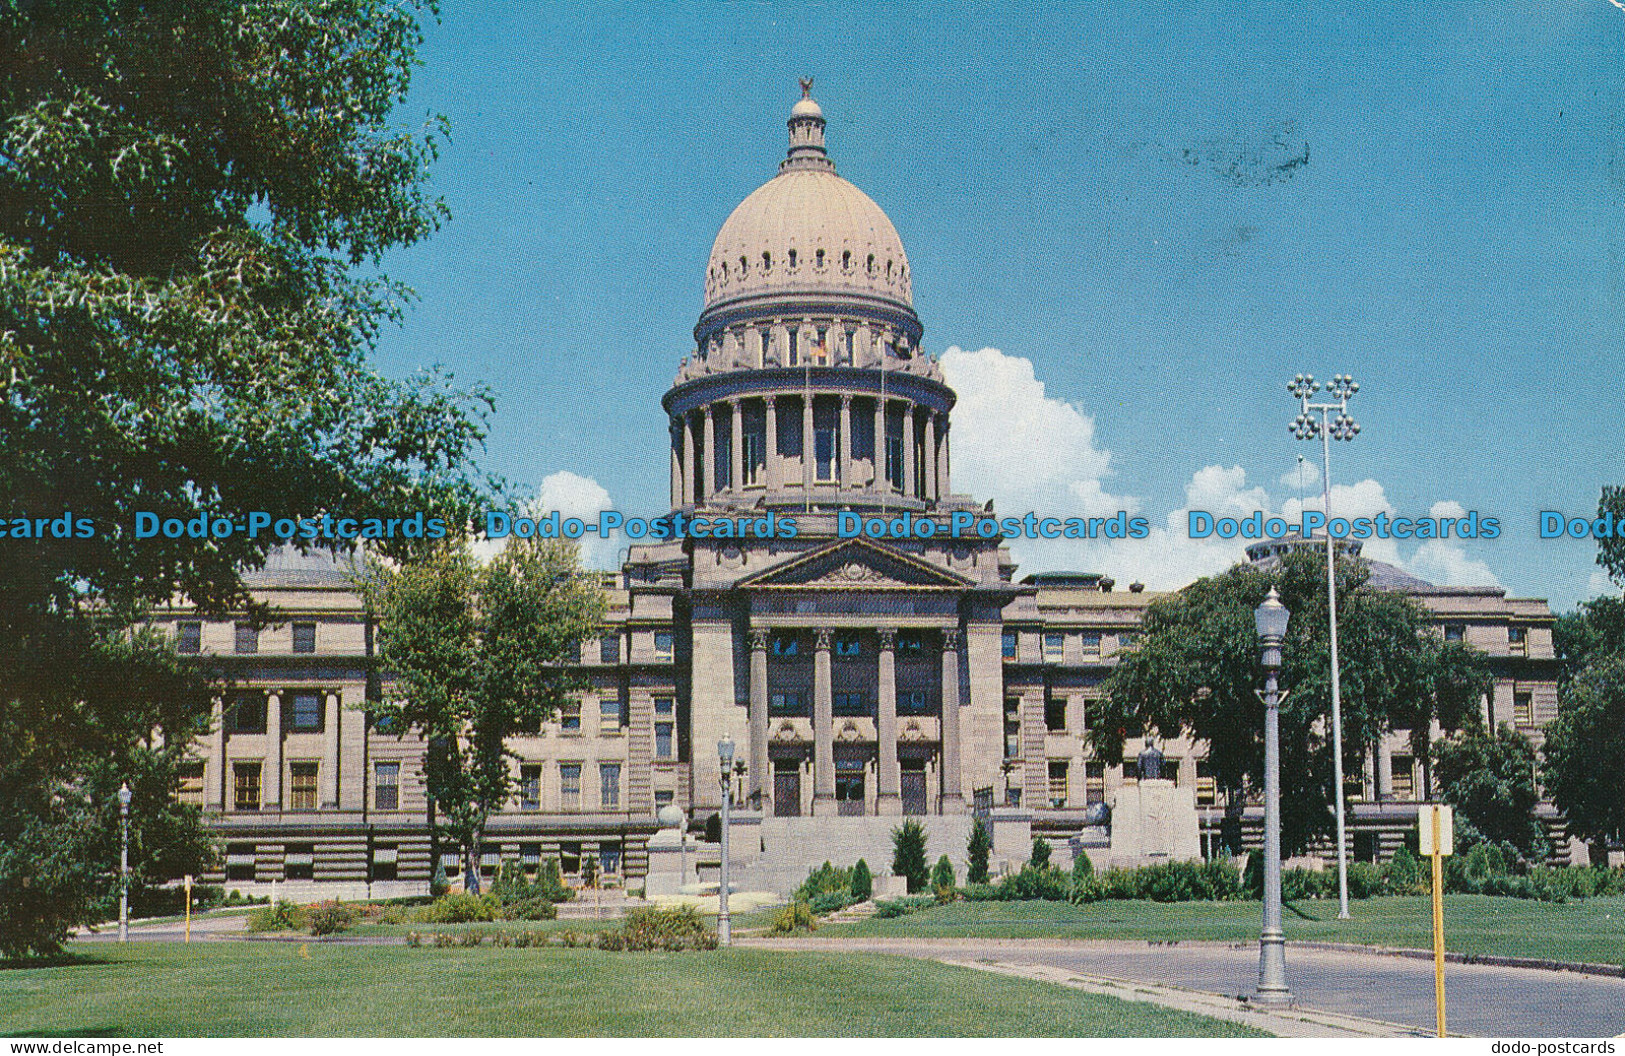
[{"x": 861, "y": 678}]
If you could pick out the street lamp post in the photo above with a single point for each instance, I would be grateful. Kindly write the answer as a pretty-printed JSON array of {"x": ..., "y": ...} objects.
[
  {"x": 1306, "y": 427},
  {"x": 725, "y": 756},
  {"x": 1271, "y": 620},
  {"x": 124, "y": 862}
]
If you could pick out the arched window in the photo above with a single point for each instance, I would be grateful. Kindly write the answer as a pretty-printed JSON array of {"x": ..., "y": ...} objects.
[
  {"x": 818, "y": 259},
  {"x": 792, "y": 258},
  {"x": 767, "y": 260},
  {"x": 846, "y": 260},
  {"x": 871, "y": 264}
]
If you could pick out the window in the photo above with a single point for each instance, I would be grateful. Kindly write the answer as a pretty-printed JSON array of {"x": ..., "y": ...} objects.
[
  {"x": 824, "y": 443},
  {"x": 664, "y": 645},
  {"x": 1523, "y": 709},
  {"x": 1207, "y": 789},
  {"x": 1518, "y": 639},
  {"x": 609, "y": 717},
  {"x": 609, "y": 785},
  {"x": 574, "y": 653},
  {"x": 1094, "y": 781},
  {"x": 190, "y": 788},
  {"x": 848, "y": 645},
  {"x": 1052, "y": 647},
  {"x": 1055, "y": 714},
  {"x": 609, "y": 649},
  {"x": 910, "y": 646},
  {"x": 304, "y": 637},
  {"x": 570, "y": 856},
  {"x": 570, "y": 786},
  {"x": 1091, "y": 643},
  {"x": 188, "y": 636},
  {"x": 664, "y": 798},
  {"x": 299, "y": 861},
  {"x": 1007, "y": 646},
  {"x": 570, "y": 718},
  {"x": 609, "y": 855},
  {"x": 1012, "y": 727},
  {"x": 1455, "y": 632},
  {"x": 248, "y": 639},
  {"x": 306, "y": 713},
  {"x": 849, "y": 704},
  {"x": 913, "y": 702},
  {"x": 663, "y": 740},
  {"x": 1057, "y": 783},
  {"x": 530, "y": 788},
  {"x": 245, "y": 786},
  {"x": 791, "y": 704},
  {"x": 386, "y": 786},
  {"x": 1404, "y": 782},
  {"x": 248, "y": 713},
  {"x": 894, "y": 461},
  {"x": 665, "y": 706},
  {"x": 302, "y": 786},
  {"x": 385, "y": 861},
  {"x": 1127, "y": 640},
  {"x": 785, "y": 645}
]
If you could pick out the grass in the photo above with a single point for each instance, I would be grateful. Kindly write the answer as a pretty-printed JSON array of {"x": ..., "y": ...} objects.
[
  {"x": 230, "y": 989},
  {"x": 1592, "y": 930}
]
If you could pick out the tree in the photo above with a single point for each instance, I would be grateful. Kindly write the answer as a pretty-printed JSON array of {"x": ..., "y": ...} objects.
[
  {"x": 1585, "y": 751},
  {"x": 1197, "y": 670},
  {"x": 942, "y": 874},
  {"x": 1611, "y": 547},
  {"x": 194, "y": 199},
  {"x": 977, "y": 851},
  {"x": 477, "y": 655},
  {"x": 908, "y": 855},
  {"x": 863, "y": 881},
  {"x": 1490, "y": 778},
  {"x": 1041, "y": 853}
]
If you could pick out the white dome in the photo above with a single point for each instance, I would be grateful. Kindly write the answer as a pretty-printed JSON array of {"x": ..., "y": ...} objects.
[{"x": 807, "y": 230}]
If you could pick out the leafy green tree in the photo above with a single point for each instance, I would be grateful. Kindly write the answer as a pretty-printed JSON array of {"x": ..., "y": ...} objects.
[
  {"x": 1041, "y": 853},
  {"x": 1490, "y": 778},
  {"x": 863, "y": 881},
  {"x": 194, "y": 200},
  {"x": 1611, "y": 548},
  {"x": 942, "y": 874},
  {"x": 477, "y": 656},
  {"x": 908, "y": 855},
  {"x": 1197, "y": 670},
  {"x": 1585, "y": 751},
  {"x": 1593, "y": 632},
  {"x": 977, "y": 852}
]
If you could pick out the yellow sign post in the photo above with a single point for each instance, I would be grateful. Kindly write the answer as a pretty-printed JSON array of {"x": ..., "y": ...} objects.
[
  {"x": 1436, "y": 838},
  {"x": 189, "y": 908}
]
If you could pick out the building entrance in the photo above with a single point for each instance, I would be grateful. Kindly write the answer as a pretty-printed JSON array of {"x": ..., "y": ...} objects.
[
  {"x": 914, "y": 798},
  {"x": 786, "y": 789}
]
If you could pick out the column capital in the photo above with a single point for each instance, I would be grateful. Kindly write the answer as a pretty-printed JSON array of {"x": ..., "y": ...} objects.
[
  {"x": 758, "y": 639},
  {"x": 822, "y": 638},
  {"x": 846, "y": 399},
  {"x": 888, "y": 638},
  {"x": 950, "y": 640}
]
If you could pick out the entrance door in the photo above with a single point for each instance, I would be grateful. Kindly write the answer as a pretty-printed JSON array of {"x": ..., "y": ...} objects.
[
  {"x": 849, "y": 799},
  {"x": 914, "y": 799},
  {"x": 786, "y": 790}
]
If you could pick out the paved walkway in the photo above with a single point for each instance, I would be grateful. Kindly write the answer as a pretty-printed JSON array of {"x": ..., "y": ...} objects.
[{"x": 1336, "y": 993}]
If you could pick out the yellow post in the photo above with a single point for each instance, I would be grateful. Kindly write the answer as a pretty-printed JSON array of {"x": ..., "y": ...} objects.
[
  {"x": 188, "y": 909},
  {"x": 1438, "y": 923}
]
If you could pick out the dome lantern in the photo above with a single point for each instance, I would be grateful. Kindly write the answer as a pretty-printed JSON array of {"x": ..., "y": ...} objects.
[{"x": 807, "y": 134}]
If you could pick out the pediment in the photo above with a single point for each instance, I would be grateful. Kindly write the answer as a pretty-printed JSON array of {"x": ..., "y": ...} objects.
[{"x": 858, "y": 564}]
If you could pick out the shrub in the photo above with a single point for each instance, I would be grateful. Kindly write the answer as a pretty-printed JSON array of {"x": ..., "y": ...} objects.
[
  {"x": 282, "y": 916},
  {"x": 942, "y": 874},
  {"x": 679, "y": 928},
  {"x": 610, "y": 940},
  {"x": 1046, "y": 883},
  {"x": 443, "y": 939},
  {"x": 1082, "y": 866},
  {"x": 1041, "y": 853},
  {"x": 824, "y": 880},
  {"x": 908, "y": 855},
  {"x": 460, "y": 907},
  {"x": 797, "y": 916},
  {"x": 899, "y": 907},
  {"x": 471, "y": 938},
  {"x": 1252, "y": 877},
  {"x": 977, "y": 850},
  {"x": 530, "y": 909},
  {"x": 330, "y": 918},
  {"x": 980, "y": 893},
  {"x": 414, "y": 939},
  {"x": 550, "y": 883},
  {"x": 829, "y": 902},
  {"x": 713, "y": 829},
  {"x": 1403, "y": 874},
  {"x": 511, "y": 886},
  {"x": 1365, "y": 880},
  {"x": 571, "y": 939},
  {"x": 863, "y": 882},
  {"x": 1299, "y": 884}
]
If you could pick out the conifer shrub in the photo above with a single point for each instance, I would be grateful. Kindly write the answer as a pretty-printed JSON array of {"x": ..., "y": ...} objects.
[
  {"x": 863, "y": 882},
  {"x": 977, "y": 852}
]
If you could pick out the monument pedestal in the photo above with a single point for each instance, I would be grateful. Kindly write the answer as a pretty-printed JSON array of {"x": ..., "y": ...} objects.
[{"x": 1154, "y": 821}]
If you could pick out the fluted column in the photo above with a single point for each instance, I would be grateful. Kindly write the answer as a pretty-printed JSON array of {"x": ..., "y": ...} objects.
[
  {"x": 708, "y": 460},
  {"x": 946, "y": 485},
  {"x": 823, "y": 727},
  {"x": 217, "y": 795},
  {"x": 890, "y": 799},
  {"x": 930, "y": 471},
  {"x": 953, "y": 794},
  {"x": 736, "y": 447},
  {"x": 676, "y": 465},
  {"x": 770, "y": 449},
  {"x": 807, "y": 442},
  {"x": 760, "y": 781},
  {"x": 688, "y": 461},
  {"x": 880, "y": 482},
  {"x": 910, "y": 482},
  {"x": 845, "y": 465},
  {"x": 329, "y": 788},
  {"x": 271, "y": 776}
]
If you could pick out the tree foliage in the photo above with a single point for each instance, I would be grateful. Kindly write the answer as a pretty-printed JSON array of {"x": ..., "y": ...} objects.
[
  {"x": 194, "y": 199},
  {"x": 1585, "y": 751},
  {"x": 1611, "y": 548},
  {"x": 977, "y": 850},
  {"x": 1197, "y": 670},
  {"x": 476, "y": 655},
  {"x": 1490, "y": 778},
  {"x": 908, "y": 855}
]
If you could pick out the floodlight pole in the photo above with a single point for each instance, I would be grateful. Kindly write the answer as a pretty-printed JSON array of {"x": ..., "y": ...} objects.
[{"x": 1305, "y": 427}]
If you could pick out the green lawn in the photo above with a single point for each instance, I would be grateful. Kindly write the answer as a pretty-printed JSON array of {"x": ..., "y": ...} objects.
[
  {"x": 275, "y": 989},
  {"x": 1592, "y": 930}
]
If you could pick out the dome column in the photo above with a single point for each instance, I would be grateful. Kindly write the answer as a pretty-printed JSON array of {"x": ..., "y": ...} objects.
[
  {"x": 736, "y": 447},
  {"x": 845, "y": 478},
  {"x": 880, "y": 483},
  {"x": 910, "y": 470},
  {"x": 708, "y": 467},
  {"x": 676, "y": 463},
  {"x": 770, "y": 454},
  {"x": 688, "y": 461},
  {"x": 931, "y": 455}
]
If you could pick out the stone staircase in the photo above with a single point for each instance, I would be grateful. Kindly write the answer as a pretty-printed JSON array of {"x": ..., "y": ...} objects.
[{"x": 793, "y": 847}]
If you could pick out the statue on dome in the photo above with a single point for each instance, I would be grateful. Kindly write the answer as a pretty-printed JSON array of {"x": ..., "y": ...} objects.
[{"x": 806, "y": 87}]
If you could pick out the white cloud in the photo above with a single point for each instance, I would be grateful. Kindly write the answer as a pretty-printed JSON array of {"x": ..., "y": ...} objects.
[
  {"x": 572, "y": 495},
  {"x": 1302, "y": 477}
]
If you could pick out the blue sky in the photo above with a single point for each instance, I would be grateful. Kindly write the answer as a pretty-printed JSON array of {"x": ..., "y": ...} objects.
[{"x": 1107, "y": 201}]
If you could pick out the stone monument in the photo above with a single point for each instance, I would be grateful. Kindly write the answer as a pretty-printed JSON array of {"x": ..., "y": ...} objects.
[{"x": 1153, "y": 820}]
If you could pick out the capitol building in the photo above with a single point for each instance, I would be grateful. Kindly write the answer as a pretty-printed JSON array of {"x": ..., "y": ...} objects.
[{"x": 865, "y": 680}]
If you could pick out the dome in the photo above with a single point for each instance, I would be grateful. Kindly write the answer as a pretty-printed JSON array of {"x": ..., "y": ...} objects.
[{"x": 807, "y": 231}]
